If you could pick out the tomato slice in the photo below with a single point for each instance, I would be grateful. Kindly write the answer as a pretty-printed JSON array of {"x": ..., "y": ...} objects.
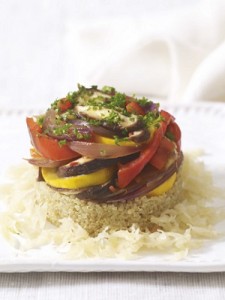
[
  {"x": 47, "y": 146},
  {"x": 129, "y": 99},
  {"x": 134, "y": 107},
  {"x": 159, "y": 160},
  {"x": 129, "y": 171}
]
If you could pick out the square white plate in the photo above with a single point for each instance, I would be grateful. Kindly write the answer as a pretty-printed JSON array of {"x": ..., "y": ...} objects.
[{"x": 202, "y": 127}]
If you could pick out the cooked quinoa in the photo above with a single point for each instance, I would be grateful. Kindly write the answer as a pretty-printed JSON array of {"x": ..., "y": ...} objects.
[{"x": 95, "y": 217}]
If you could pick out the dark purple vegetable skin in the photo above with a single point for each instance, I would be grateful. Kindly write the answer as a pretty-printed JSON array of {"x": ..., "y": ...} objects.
[
  {"x": 91, "y": 166},
  {"x": 153, "y": 179},
  {"x": 52, "y": 127},
  {"x": 86, "y": 168},
  {"x": 149, "y": 179},
  {"x": 46, "y": 163}
]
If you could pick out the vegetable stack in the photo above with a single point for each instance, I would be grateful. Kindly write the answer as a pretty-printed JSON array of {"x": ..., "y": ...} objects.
[{"x": 105, "y": 146}]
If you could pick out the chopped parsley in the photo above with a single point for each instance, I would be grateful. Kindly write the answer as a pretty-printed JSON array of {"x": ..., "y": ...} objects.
[
  {"x": 81, "y": 136},
  {"x": 96, "y": 103},
  {"x": 54, "y": 104},
  {"x": 170, "y": 135},
  {"x": 60, "y": 130},
  {"x": 103, "y": 152},
  {"x": 116, "y": 118},
  {"x": 152, "y": 119},
  {"x": 113, "y": 118},
  {"x": 143, "y": 101},
  {"x": 62, "y": 143},
  {"x": 118, "y": 100},
  {"x": 94, "y": 122},
  {"x": 108, "y": 89},
  {"x": 72, "y": 97},
  {"x": 118, "y": 139},
  {"x": 40, "y": 120},
  {"x": 68, "y": 115}
]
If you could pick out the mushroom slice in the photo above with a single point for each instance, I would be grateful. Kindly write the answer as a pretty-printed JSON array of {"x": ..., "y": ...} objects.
[
  {"x": 140, "y": 136},
  {"x": 109, "y": 117}
]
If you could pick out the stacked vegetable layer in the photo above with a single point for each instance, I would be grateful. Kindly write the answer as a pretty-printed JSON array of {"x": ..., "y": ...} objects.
[{"x": 104, "y": 146}]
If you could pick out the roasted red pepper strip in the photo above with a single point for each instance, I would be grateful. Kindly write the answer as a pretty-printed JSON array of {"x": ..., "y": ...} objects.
[
  {"x": 174, "y": 130},
  {"x": 47, "y": 146},
  {"x": 129, "y": 171},
  {"x": 160, "y": 158},
  {"x": 64, "y": 105},
  {"x": 134, "y": 107},
  {"x": 168, "y": 118}
]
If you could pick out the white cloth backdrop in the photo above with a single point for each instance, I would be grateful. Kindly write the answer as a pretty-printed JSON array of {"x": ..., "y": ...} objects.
[
  {"x": 172, "y": 49},
  {"x": 179, "y": 55}
]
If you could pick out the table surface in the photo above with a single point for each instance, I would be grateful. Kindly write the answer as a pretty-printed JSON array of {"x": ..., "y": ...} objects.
[{"x": 39, "y": 286}]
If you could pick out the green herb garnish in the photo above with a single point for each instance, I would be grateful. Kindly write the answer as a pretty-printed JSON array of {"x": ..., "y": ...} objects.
[
  {"x": 118, "y": 139},
  {"x": 81, "y": 136},
  {"x": 143, "y": 101},
  {"x": 62, "y": 143},
  {"x": 113, "y": 118},
  {"x": 108, "y": 89},
  {"x": 40, "y": 120},
  {"x": 152, "y": 119},
  {"x": 117, "y": 101},
  {"x": 62, "y": 129},
  {"x": 170, "y": 135}
]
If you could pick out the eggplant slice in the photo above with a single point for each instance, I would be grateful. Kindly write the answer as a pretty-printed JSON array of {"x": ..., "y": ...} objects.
[
  {"x": 148, "y": 180},
  {"x": 85, "y": 165}
]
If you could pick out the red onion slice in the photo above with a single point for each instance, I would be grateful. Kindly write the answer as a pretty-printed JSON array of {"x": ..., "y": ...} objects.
[
  {"x": 76, "y": 130},
  {"x": 46, "y": 163},
  {"x": 103, "y": 131},
  {"x": 98, "y": 150}
]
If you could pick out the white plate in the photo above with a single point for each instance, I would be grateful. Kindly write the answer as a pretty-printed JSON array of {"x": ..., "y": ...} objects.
[{"x": 202, "y": 127}]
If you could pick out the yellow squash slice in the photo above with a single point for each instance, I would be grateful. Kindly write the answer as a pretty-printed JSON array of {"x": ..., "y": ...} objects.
[
  {"x": 76, "y": 182},
  {"x": 164, "y": 187}
]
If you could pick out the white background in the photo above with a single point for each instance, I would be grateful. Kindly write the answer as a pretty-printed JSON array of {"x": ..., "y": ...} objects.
[{"x": 36, "y": 56}]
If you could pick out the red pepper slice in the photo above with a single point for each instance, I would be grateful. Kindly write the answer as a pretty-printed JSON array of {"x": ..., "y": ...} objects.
[
  {"x": 134, "y": 107},
  {"x": 159, "y": 160},
  {"x": 64, "y": 104},
  {"x": 168, "y": 118},
  {"x": 174, "y": 129},
  {"x": 47, "y": 146},
  {"x": 129, "y": 171}
]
